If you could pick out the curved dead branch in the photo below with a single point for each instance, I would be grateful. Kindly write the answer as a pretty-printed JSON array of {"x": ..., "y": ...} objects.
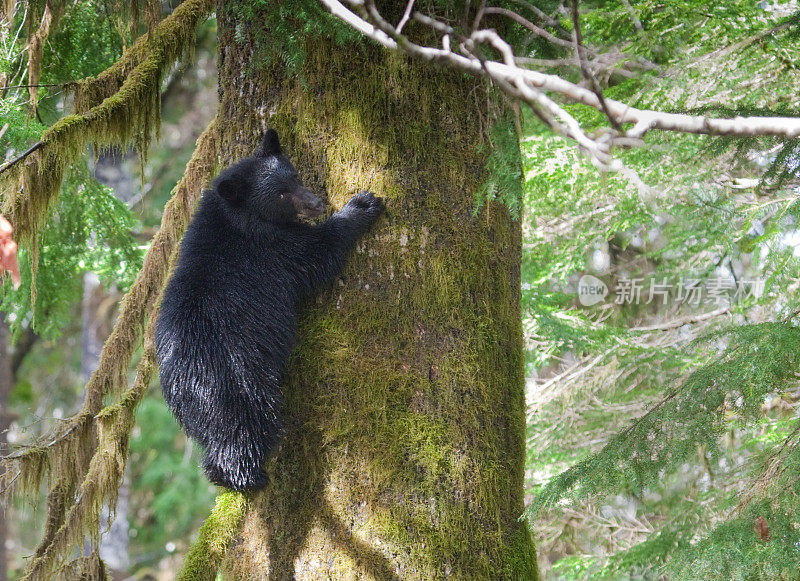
[{"x": 534, "y": 87}]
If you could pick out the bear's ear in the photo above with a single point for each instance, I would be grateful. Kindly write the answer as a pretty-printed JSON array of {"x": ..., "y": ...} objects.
[
  {"x": 232, "y": 188},
  {"x": 269, "y": 144}
]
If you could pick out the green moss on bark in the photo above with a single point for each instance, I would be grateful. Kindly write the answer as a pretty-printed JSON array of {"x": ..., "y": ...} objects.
[
  {"x": 214, "y": 538},
  {"x": 404, "y": 450}
]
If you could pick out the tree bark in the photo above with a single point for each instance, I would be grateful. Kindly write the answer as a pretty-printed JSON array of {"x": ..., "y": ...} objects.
[{"x": 404, "y": 449}]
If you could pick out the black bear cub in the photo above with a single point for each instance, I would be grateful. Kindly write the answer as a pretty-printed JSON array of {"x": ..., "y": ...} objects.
[{"x": 227, "y": 322}]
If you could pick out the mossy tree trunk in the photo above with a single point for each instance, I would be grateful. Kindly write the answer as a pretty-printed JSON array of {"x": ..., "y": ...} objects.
[{"x": 404, "y": 451}]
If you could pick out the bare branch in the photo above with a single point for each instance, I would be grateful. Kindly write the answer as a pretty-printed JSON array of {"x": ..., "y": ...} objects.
[
  {"x": 606, "y": 64},
  {"x": 338, "y": 9},
  {"x": 580, "y": 53},
  {"x": 677, "y": 323},
  {"x": 405, "y": 17},
  {"x": 465, "y": 17},
  {"x": 479, "y": 16},
  {"x": 529, "y": 25},
  {"x": 435, "y": 24},
  {"x": 636, "y": 22},
  {"x": 26, "y": 86},
  {"x": 561, "y": 121},
  {"x": 19, "y": 158},
  {"x": 371, "y": 24},
  {"x": 543, "y": 16}
]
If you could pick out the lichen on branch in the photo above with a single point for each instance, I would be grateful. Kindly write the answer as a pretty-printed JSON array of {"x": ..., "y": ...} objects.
[{"x": 129, "y": 116}]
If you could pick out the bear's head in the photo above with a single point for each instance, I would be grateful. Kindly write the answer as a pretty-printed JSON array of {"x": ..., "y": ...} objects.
[{"x": 266, "y": 186}]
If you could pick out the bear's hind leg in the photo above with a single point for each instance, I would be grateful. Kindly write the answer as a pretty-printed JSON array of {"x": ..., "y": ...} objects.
[
  {"x": 235, "y": 471},
  {"x": 237, "y": 456}
]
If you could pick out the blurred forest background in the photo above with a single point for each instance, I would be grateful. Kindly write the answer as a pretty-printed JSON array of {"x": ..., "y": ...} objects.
[{"x": 662, "y": 419}]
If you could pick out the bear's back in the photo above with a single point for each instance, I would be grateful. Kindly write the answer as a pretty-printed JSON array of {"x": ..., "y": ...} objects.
[{"x": 229, "y": 308}]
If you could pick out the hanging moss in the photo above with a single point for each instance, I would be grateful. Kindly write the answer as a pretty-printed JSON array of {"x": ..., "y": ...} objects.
[
  {"x": 85, "y": 568},
  {"x": 102, "y": 480},
  {"x": 85, "y": 458},
  {"x": 36, "y": 42},
  {"x": 131, "y": 115},
  {"x": 175, "y": 34}
]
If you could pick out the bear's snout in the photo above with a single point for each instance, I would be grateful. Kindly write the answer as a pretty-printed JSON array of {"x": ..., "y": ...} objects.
[{"x": 307, "y": 204}]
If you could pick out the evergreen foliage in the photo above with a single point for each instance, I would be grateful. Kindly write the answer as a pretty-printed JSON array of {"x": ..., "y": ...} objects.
[
  {"x": 758, "y": 360},
  {"x": 84, "y": 460},
  {"x": 88, "y": 230},
  {"x": 170, "y": 494},
  {"x": 503, "y": 181},
  {"x": 286, "y": 30},
  {"x": 690, "y": 408},
  {"x": 130, "y": 116}
]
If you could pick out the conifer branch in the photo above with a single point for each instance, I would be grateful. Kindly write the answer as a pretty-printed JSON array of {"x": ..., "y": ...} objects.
[
  {"x": 677, "y": 323},
  {"x": 129, "y": 115}
]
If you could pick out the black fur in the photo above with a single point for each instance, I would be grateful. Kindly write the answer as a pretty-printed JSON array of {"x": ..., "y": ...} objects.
[{"x": 227, "y": 323}]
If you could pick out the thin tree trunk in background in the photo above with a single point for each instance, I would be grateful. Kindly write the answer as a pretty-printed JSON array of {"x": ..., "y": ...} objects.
[
  {"x": 6, "y": 383},
  {"x": 91, "y": 342},
  {"x": 110, "y": 169},
  {"x": 114, "y": 542},
  {"x": 404, "y": 449}
]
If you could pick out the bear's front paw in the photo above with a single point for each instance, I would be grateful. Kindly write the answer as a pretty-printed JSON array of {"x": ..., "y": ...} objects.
[{"x": 366, "y": 204}]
